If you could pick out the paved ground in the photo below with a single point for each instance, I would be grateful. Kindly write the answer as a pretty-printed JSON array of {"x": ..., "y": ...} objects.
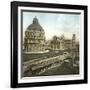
[{"x": 65, "y": 69}]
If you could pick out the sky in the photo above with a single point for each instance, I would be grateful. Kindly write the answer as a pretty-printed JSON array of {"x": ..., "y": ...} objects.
[{"x": 55, "y": 24}]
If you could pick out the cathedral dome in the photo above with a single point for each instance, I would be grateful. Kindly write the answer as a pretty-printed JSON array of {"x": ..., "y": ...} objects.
[{"x": 35, "y": 25}]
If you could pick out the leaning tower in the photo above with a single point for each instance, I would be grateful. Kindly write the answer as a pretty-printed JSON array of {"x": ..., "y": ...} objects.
[{"x": 73, "y": 41}]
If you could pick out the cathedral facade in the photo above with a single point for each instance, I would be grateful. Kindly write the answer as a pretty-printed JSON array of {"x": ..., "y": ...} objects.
[
  {"x": 60, "y": 43},
  {"x": 57, "y": 43},
  {"x": 34, "y": 40}
]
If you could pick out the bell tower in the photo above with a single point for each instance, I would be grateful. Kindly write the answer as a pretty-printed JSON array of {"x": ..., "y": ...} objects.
[{"x": 73, "y": 41}]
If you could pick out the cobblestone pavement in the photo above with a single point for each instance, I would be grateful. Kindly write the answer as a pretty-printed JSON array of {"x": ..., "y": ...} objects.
[{"x": 50, "y": 64}]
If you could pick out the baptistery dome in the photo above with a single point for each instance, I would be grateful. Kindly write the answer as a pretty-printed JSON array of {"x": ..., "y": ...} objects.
[
  {"x": 34, "y": 40},
  {"x": 35, "y": 25}
]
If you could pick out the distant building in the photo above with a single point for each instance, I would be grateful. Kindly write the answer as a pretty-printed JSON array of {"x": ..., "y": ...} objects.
[
  {"x": 57, "y": 43},
  {"x": 34, "y": 40},
  {"x": 60, "y": 43},
  {"x": 68, "y": 44}
]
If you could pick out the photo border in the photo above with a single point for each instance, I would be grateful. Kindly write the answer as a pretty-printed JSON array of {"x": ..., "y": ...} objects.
[{"x": 14, "y": 43}]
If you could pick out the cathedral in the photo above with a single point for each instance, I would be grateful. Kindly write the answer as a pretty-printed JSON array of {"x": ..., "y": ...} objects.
[
  {"x": 61, "y": 43},
  {"x": 34, "y": 40}
]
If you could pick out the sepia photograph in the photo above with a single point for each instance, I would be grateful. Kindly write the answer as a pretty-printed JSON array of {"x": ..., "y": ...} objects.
[{"x": 50, "y": 43}]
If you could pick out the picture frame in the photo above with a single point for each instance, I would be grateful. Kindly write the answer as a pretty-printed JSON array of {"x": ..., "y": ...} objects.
[{"x": 75, "y": 15}]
